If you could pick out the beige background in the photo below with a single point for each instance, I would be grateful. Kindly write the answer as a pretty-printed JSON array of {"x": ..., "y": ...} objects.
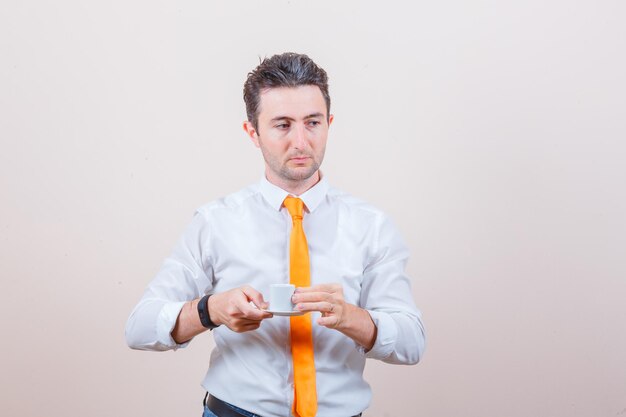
[{"x": 492, "y": 132}]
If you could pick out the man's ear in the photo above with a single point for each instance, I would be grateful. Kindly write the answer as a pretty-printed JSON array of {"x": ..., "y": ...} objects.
[
  {"x": 251, "y": 131},
  {"x": 330, "y": 119}
]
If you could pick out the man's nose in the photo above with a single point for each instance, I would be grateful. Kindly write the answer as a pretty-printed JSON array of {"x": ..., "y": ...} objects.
[{"x": 299, "y": 138}]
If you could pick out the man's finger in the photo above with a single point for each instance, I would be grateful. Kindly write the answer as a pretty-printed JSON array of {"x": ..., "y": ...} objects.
[
  {"x": 320, "y": 288},
  {"x": 323, "y": 307},
  {"x": 253, "y": 313},
  {"x": 255, "y": 296},
  {"x": 311, "y": 297},
  {"x": 329, "y": 321}
]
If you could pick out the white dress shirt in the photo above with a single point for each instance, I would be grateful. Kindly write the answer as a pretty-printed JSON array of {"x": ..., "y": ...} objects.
[{"x": 243, "y": 239}]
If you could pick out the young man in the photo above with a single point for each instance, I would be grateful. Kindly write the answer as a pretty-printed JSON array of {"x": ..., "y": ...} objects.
[{"x": 344, "y": 256}]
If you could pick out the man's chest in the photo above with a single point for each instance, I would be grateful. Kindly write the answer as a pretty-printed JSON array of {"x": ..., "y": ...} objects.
[{"x": 256, "y": 253}]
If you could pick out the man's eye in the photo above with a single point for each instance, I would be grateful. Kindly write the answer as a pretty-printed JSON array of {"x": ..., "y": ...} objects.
[
  {"x": 314, "y": 123},
  {"x": 282, "y": 125}
]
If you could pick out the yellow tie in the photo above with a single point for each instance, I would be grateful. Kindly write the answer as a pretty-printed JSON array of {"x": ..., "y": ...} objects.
[{"x": 305, "y": 394}]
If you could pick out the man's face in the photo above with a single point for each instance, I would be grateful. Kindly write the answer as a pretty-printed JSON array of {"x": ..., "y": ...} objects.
[{"x": 291, "y": 132}]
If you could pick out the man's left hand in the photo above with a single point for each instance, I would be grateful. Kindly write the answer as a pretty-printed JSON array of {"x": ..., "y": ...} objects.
[
  {"x": 325, "y": 298},
  {"x": 337, "y": 314}
]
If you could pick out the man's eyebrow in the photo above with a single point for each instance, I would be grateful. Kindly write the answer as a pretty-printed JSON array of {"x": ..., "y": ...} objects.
[
  {"x": 291, "y": 119},
  {"x": 278, "y": 118}
]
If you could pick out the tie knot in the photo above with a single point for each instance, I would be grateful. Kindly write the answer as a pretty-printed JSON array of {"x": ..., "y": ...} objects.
[{"x": 294, "y": 206}]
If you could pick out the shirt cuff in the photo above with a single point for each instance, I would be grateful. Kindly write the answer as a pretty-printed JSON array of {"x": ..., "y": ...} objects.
[
  {"x": 386, "y": 335},
  {"x": 166, "y": 323}
]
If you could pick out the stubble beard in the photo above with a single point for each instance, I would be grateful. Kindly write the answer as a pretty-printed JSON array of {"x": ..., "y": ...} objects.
[
  {"x": 289, "y": 174},
  {"x": 300, "y": 173}
]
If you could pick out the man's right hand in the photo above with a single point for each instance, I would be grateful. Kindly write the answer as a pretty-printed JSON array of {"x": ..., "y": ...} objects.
[{"x": 233, "y": 309}]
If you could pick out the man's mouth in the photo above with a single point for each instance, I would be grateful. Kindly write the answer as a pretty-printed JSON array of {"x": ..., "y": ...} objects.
[{"x": 300, "y": 159}]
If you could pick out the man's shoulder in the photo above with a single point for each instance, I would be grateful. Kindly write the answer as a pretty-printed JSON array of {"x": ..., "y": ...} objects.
[
  {"x": 231, "y": 202},
  {"x": 362, "y": 215},
  {"x": 355, "y": 204}
]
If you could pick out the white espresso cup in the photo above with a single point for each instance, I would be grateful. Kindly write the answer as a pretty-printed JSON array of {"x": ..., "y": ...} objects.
[{"x": 280, "y": 297}]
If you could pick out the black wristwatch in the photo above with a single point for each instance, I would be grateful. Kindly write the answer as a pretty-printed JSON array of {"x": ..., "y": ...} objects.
[{"x": 203, "y": 312}]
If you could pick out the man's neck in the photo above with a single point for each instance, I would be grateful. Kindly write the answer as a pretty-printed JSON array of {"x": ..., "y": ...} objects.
[{"x": 295, "y": 187}]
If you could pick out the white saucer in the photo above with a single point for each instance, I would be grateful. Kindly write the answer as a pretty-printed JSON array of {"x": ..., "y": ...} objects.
[{"x": 286, "y": 313}]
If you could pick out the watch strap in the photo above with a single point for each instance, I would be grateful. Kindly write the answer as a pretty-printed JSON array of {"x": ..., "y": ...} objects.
[{"x": 203, "y": 313}]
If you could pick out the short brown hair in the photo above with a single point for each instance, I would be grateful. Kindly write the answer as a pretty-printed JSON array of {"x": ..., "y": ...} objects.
[{"x": 284, "y": 70}]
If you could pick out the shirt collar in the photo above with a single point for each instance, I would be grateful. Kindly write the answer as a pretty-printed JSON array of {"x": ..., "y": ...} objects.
[{"x": 312, "y": 197}]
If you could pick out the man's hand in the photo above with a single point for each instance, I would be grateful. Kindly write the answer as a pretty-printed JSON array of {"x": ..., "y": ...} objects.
[
  {"x": 232, "y": 308},
  {"x": 337, "y": 314},
  {"x": 327, "y": 299}
]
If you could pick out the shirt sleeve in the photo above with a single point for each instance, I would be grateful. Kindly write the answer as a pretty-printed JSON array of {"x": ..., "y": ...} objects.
[
  {"x": 185, "y": 275},
  {"x": 386, "y": 294}
]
